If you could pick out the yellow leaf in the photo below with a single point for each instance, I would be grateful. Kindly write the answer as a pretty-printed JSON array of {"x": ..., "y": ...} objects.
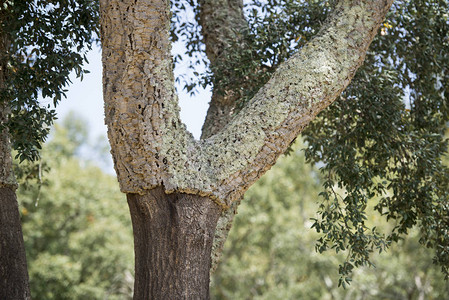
[
  {"x": 387, "y": 25},
  {"x": 24, "y": 211},
  {"x": 300, "y": 37}
]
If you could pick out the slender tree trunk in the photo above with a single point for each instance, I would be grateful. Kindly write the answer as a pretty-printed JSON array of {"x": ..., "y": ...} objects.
[
  {"x": 173, "y": 237},
  {"x": 13, "y": 266}
]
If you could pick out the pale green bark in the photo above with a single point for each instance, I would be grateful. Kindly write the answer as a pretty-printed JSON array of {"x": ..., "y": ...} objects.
[
  {"x": 7, "y": 178},
  {"x": 151, "y": 146},
  {"x": 304, "y": 76}
]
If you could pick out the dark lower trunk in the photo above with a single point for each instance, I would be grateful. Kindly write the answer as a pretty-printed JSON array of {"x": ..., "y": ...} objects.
[
  {"x": 13, "y": 267},
  {"x": 173, "y": 237}
]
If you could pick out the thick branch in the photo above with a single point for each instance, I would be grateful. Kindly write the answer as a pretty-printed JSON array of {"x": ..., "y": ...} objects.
[
  {"x": 222, "y": 23},
  {"x": 151, "y": 146},
  {"x": 219, "y": 114},
  {"x": 141, "y": 108},
  {"x": 300, "y": 88}
]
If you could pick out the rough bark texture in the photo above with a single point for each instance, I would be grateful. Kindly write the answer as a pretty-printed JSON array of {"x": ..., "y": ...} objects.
[
  {"x": 222, "y": 23},
  {"x": 173, "y": 239},
  {"x": 217, "y": 37},
  {"x": 222, "y": 230},
  {"x": 13, "y": 265},
  {"x": 215, "y": 16},
  {"x": 154, "y": 155},
  {"x": 151, "y": 146},
  {"x": 301, "y": 88}
]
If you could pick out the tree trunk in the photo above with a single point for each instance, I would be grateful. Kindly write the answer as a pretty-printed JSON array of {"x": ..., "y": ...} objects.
[
  {"x": 13, "y": 265},
  {"x": 158, "y": 162},
  {"x": 173, "y": 236}
]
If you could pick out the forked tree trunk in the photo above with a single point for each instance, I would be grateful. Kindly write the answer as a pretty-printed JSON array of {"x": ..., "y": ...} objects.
[
  {"x": 173, "y": 237},
  {"x": 169, "y": 177}
]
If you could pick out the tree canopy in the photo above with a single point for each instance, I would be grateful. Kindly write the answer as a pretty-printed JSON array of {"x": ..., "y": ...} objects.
[
  {"x": 76, "y": 224},
  {"x": 379, "y": 146},
  {"x": 42, "y": 42},
  {"x": 270, "y": 250},
  {"x": 381, "y": 142},
  {"x": 79, "y": 242}
]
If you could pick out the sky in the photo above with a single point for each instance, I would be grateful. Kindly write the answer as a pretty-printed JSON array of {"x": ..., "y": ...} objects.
[{"x": 85, "y": 98}]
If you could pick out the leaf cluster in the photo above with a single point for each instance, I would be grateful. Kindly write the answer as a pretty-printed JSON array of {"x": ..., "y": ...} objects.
[
  {"x": 78, "y": 232},
  {"x": 270, "y": 252},
  {"x": 185, "y": 29},
  {"x": 43, "y": 41},
  {"x": 276, "y": 30},
  {"x": 381, "y": 144}
]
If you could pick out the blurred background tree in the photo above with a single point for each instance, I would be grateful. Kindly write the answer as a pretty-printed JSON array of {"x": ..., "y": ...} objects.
[
  {"x": 45, "y": 41},
  {"x": 79, "y": 241},
  {"x": 77, "y": 229},
  {"x": 271, "y": 253},
  {"x": 41, "y": 42}
]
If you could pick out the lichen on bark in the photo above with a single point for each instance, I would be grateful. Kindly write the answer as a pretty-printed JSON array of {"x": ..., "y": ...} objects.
[
  {"x": 7, "y": 178},
  {"x": 151, "y": 146}
]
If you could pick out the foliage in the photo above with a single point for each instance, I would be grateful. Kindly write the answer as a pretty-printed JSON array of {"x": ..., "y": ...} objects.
[
  {"x": 276, "y": 30},
  {"x": 76, "y": 225},
  {"x": 383, "y": 139},
  {"x": 42, "y": 42},
  {"x": 79, "y": 243},
  {"x": 185, "y": 29},
  {"x": 270, "y": 251}
]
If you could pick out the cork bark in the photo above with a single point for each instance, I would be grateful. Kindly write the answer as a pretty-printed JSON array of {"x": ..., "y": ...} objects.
[
  {"x": 222, "y": 24},
  {"x": 151, "y": 147}
]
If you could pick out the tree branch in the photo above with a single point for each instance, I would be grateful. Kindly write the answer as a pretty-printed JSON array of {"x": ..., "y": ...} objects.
[
  {"x": 300, "y": 88},
  {"x": 222, "y": 25},
  {"x": 149, "y": 143},
  {"x": 222, "y": 22},
  {"x": 141, "y": 106}
]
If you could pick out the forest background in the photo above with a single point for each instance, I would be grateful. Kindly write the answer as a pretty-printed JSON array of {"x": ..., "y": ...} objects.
[{"x": 78, "y": 235}]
